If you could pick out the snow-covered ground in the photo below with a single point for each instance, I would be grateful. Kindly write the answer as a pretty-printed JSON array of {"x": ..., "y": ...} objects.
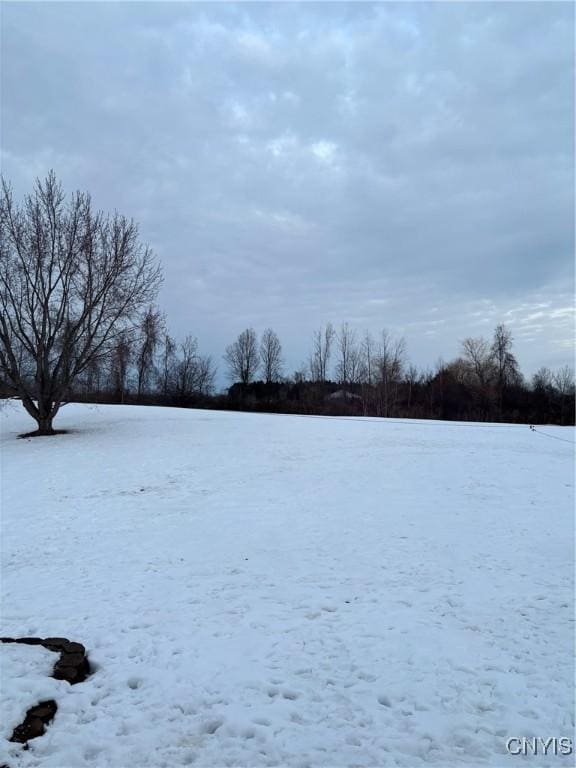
[{"x": 262, "y": 590}]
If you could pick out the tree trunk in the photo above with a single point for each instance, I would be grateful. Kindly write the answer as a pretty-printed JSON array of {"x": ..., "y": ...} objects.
[
  {"x": 45, "y": 425},
  {"x": 43, "y": 414}
]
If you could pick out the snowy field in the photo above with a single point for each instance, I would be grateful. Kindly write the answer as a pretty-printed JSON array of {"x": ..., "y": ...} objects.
[{"x": 262, "y": 590}]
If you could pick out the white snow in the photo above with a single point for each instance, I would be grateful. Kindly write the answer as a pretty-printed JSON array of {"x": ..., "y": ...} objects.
[
  {"x": 265, "y": 590},
  {"x": 25, "y": 679}
]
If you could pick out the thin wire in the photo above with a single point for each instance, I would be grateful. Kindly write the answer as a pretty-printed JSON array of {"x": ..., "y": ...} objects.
[
  {"x": 554, "y": 437},
  {"x": 421, "y": 422},
  {"x": 391, "y": 421}
]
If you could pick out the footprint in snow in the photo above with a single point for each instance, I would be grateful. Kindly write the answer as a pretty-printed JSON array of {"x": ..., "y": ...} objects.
[
  {"x": 91, "y": 753},
  {"x": 211, "y": 726},
  {"x": 366, "y": 676},
  {"x": 261, "y": 721}
]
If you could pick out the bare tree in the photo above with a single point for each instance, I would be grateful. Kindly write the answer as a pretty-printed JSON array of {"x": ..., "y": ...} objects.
[
  {"x": 543, "y": 379},
  {"x": 505, "y": 363},
  {"x": 168, "y": 364},
  {"x": 348, "y": 365},
  {"x": 271, "y": 356},
  {"x": 92, "y": 377},
  {"x": 478, "y": 355},
  {"x": 368, "y": 351},
  {"x": 186, "y": 367},
  {"x": 242, "y": 357},
  {"x": 301, "y": 374},
  {"x": 564, "y": 384},
  {"x": 150, "y": 332},
  {"x": 460, "y": 372},
  {"x": 412, "y": 377},
  {"x": 479, "y": 365},
  {"x": 206, "y": 374},
  {"x": 390, "y": 363},
  {"x": 72, "y": 281},
  {"x": 320, "y": 359},
  {"x": 564, "y": 380},
  {"x": 194, "y": 372},
  {"x": 356, "y": 369},
  {"x": 119, "y": 358}
]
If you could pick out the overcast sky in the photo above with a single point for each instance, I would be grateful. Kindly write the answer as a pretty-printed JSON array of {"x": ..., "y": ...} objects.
[{"x": 407, "y": 166}]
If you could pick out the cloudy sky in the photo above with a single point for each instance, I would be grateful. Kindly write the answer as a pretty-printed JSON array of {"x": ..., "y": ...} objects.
[{"x": 407, "y": 166}]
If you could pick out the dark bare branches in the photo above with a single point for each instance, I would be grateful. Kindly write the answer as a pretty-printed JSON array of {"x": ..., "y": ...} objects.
[
  {"x": 151, "y": 331},
  {"x": 271, "y": 356},
  {"x": 242, "y": 357},
  {"x": 322, "y": 350},
  {"x": 72, "y": 284}
]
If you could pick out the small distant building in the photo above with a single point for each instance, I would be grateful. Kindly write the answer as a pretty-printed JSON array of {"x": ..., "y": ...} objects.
[{"x": 342, "y": 395}]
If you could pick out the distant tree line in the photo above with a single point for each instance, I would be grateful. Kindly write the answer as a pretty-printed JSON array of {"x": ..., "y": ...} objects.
[
  {"x": 149, "y": 366},
  {"x": 345, "y": 374},
  {"x": 78, "y": 321}
]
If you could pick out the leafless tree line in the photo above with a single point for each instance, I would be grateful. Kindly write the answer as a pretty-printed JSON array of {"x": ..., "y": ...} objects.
[
  {"x": 78, "y": 314},
  {"x": 371, "y": 374},
  {"x": 245, "y": 358},
  {"x": 149, "y": 363}
]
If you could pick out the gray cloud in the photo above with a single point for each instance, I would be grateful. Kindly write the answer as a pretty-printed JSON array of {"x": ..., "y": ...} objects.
[{"x": 407, "y": 166}]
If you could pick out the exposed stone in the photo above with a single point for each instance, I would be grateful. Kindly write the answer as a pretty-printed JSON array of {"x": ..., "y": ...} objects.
[
  {"x": 31, "y": 728},
  {"x": 34, "y": 724},
  {"x": 70, "y": 674},
  {"x": 70, "y": 660},
  {"x": 74, "y": 648},
  {"x": 55, "y": 643},
  {"x": 72, "y": 666},
  {"x": 45, "y": 710}
]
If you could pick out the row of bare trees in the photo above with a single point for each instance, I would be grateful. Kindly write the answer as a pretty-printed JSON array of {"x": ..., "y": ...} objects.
[
  {"x": 488, "y": 368},
  {"x": 149, "y": 364},
  {"x": 246, "y": 358},
  {"x": 372, "y": 375},
  {"x": 77, "y": 316},
  {"x": 346, "y": 371}
]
